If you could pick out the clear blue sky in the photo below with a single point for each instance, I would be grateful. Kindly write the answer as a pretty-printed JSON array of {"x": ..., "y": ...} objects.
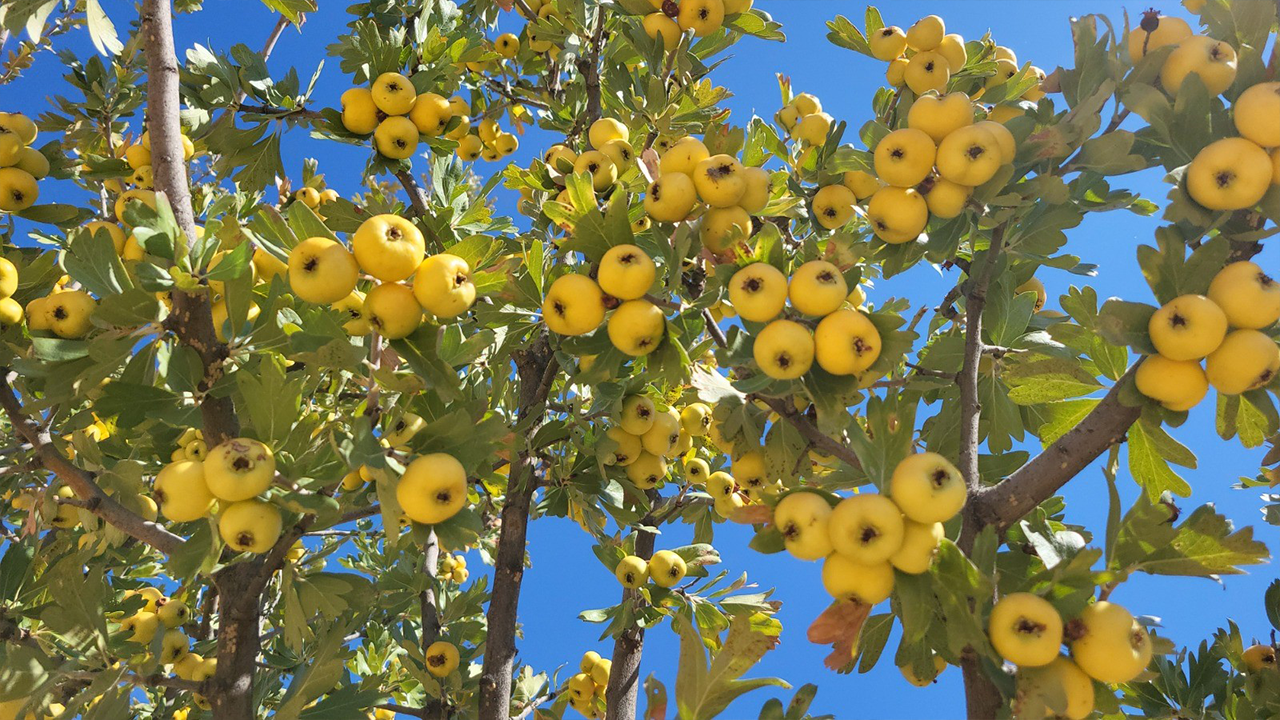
[{"x": 1190, "y": 609}]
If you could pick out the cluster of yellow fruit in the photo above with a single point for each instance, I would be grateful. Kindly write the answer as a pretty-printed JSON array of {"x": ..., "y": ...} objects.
[
  {"x": 9, "y": 710},
  {"x": 442, "y": 658},
  {"x": 928, "y": 168},
  {"x": 159, "y": 612},
  {"x": 1235, "y": 173},
  {"x": 20, "y": 164},
  {"x": 1107, "y": 644},
  {"x": 453, "y": 568},
  {"x": 391, "y": 249},
  {"x": 721, "y": 189},
  {"x": 701, "y": 17},
  {"x": 844, "y": 341},
  {"x": 66, "y": 313},
  {"x": 665, "y": 568},
  {"x": 10, "y": 310},
  {"x": 865, "y": 537},
  {"x": 191, "y": 446},
  {"x": 65, "y": 516},
  {"x": 575, "y": 304},
  {"x": 1223, "y": 329},
  {"x": 138, "y": 155},
  {"x": 398, "y": 116},
  {"x": 314, "y": 197},
  {"x": 586, "y": 688},
  {"x": 235, "y": 474},
  {"x": 646, "y": 438}
]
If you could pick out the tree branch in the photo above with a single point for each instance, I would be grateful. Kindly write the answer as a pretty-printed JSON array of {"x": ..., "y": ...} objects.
[
  {"x": 1046, "y": 473},
  {"x": 157, "y": 680},
  {"x": 622, "y": 694},
  {"x": 536, "y": 369},
  {"x": 970, "y": 405},
  {"x": 434, "y": 708},
  {"x": 80, "y": 481}
]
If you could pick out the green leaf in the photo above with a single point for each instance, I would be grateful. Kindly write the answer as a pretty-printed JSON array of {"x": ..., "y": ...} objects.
[
  {"x": 1125, "y": 323},
  {"x": 704, "y": 690},
  {"x": 101, "y": 31},
  {"x": 324, "y": 667},
  {"x": 1045, "y": 380},
  {"x": 1204, "y": 545},
  {"x": 1147, "y": 463},
  {"x": 92, "y": 260},
  {"x": 270, "y": 399}
]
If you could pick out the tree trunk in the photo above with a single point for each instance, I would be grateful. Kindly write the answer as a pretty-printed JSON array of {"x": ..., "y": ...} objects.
[
  {"x": 434, "y": 709},
  {"x": 238, "y": 644},
  {"x": 982, "y": 698},
  {"x": 536, "y": 371},
  {"x": 623, "y": 694}
]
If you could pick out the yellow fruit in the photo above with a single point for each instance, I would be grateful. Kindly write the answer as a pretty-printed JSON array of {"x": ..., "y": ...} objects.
[
  {"x": 696, "y": 471},
  {"x": 952, "y": 48},
  {"x": 926, "y": 33},
  {"x": 442, "y": 658},
  {"x": 1004, "y": 140},
  {"x": 817, "y": 288},
  {"x": 944, "y": 198},
  {"x": 606, "y": 130},
  {"x": 938, "y": 117},
  {"x": 695, "y": 419},
  {"x": 969, "y": 156},
  {"x": 928, "y": 488},
  {"x": 618, "y": 151},
  {"x": 927, "y": 71},
  {"x": 589, "y": 661},
  {"x": 404, "y": 428},
  {"x": 239, "y": 469},
  {"x": 1246, "y": 360},
  {"x": 137, "y": 156},
  {"x": 1187, "y": 328},
  {"x": 146, "y": 197},
  {"x": 663, "y": 434},
  {"x": 846, "y": 343},
  {"x": 181, "y": 491},
  {"x": 626, "y": 272},
  {"x": 888, "y": 43},
  {"x": 1213, "y": 60},
  {"x": 559, "y": 158},
  {"x": 115, "y": 231},
  {"x": 19, "y": 125},
  {"x": 1025, "y": 629},
  {"x": 833, "y": 206},
  {"x": 723, "y": 227},
  {"x": 174, "y": 645},
  {"x": 910, "y": 675},
  {"x": 359, "y": 113},
  {"x": 1247, "y": 296},
  {"x": 8, "y": 278},
  {"x": 658, "y": 25},
  {"x": 1259, "y": 658},
  {"x": 1255, "y": 113},
  {"x": 393, "y": 93},
  {"x": 18, "y": 190},
  {"x": 1230, "y": 174},
  {"x": 34, "y": 162},
  {"x": 308, "y": 196},
  {"x": 393, "y": 310},
  {"x": 388, "y": 247},
  {"x": 813, "y": 129},
  {"x": 803, "y": 519},
  {"x": 574, "y": 305},
  {"x": 1059, "y": 689},
  {"x": 666, "y": 568},
  {"x": 1108, "y": 644},
  {"x": 10, "y": 312},
  {"x": 266, "y": 266},
  {"x": 600, "y": 673},
  {"x": 758, "y": 187},
  {"x": 431, "y": 114},
  {"x": 598, "y": 165},
  {"x": 758, "y": 292},
  {"x": 703, "y": 17},
  {"x": 629, "y": 446},
  {"x": 671, "y": 197},
  {"x": 488, "y": 130},
  {"x": 632, "y": 572},
  {"x": 788, "y": 116},
  {"x": 1168, "y": 31},
  {"x": 896, "y": 73},
  {"x": 141, "y": 626},
  {"x": 69, "y": 314},
  {"x": 636, "y": 327},
  {"x": 11, "y": 147},
  {"x": 1178, "y": 385},
  {"x": 919, "y": 545},
  {"x": 863, "y": 184},
  {"x": 898, "y": 215},
  {"x": 250, "y": 526},
  {"x": 684, "y": 156},
  {"x": 432, "y": 489},
  {"x": 469, "y": 147},
  {"x": 357, "y": 320},
  {"x": 647, "y": 471},
  {"x": 638, "y": 415},
  {"x": 507, "y": 45},
  {"x": 443, "y": 286},
  {"x": 846, "y": 579},
  {"x": 806, "y": 104},
  {"x": 784, "y": 350},
  {"x": 719, "y": 181},
  {"x": 1034, "y": 285},
  {"x": 866, "y": 528},
  {"x": 322, "y": 271},
  {"x": 396, "y": 137},
  {"x": 1005, "y": 71}
]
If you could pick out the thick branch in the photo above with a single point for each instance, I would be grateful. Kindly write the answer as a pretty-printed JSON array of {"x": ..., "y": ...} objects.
[
  {"x": 622, "y": 694},
  {"x": 80, "y": 481},
  {"x": 1047, "y": 472},
  {"x": 433, "y": 709},
  {"x": 536, "y": 369},
  {"x": 970, "y": 405}
]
